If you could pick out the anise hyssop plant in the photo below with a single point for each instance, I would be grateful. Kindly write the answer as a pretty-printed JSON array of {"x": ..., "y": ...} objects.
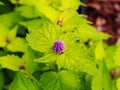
[{"x": 48, "y": 45}]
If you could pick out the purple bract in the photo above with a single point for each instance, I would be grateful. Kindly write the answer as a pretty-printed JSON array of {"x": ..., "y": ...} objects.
[
  {"x": 58, "y": 47},
  {"x": 8, "y": 40},
  {"x": 22, "y": 67},
  {"x": 59, "y": 22}
]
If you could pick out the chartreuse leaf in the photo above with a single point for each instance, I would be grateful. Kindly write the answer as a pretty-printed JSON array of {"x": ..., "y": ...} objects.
[
  {"x": 30, "y": 65},
  {"x": 104, "y": 81},
  {"x": 116, "y": 56},
  {"x": 9, "y": 40},
  {"x": 3, "y": 35},
  {"x": 14, "y": 63},
  {"x": 72, "y": 60},
  {"x": 38, "y": 23},
  {"x": 96, "y": 83},
  {"x": 63, "y": 80},
  {"x": 70, "y": 19},
  {"x": 12, "y": 33},
  {"x": 50, "y": 12},
  {"x": 17, "y": 44},
  {"x": 9, "y": 20},
  {"x": 42, "y": 39},
  {"x": 99, "y": 51},
  {"x": 11, "y": 62},
  {"x": 88, "y": 32},
  {"x": 74, "y": 4},
  {"x": 21, "y": 82},
  {"x": 27, "y": 11},
  {"x": 109, "y": 59},
  {"x": 118, "y": 83}
]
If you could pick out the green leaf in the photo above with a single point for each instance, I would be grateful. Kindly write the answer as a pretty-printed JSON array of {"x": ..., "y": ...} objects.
[
  {"x": 1, "y": 3},
  {"x": 17, "y": 44},
  {"x": 103, "y": 81},
  {"x": 74, "y": 4},
  {"x": 99, "y": 51},
  {"x": 63, "y": 80},
  {"x": 116, "y": 56},
  {"x": 72, "y": 60},
  {"x": 27, "y": 11},
  {"x": 1, "y": 80},
  {"x": 12, "y": 33},
  {"x": 30, "y": 65},
  {"x": 50, "y": 57},
  {"x": 88, "y": 32},
  {"x": 21, "y": 82},
  {"x": 11, "y": 62},
  {"x": 42, "y": 39},
  {"x": 30, "y": 24},
  {"x": 97, "y": 83},
  {"x": 88, "y": 82},
  {"x": 3, "y": 35},
  {"x": 118, "y": 83},
  {"x": 70, "y": 19},
  {"x": 110, "y": 51},
  {"x": 106, "y": 80},
  {"x": 10, "y": 20},
  {"x": 50, "y": 12}
]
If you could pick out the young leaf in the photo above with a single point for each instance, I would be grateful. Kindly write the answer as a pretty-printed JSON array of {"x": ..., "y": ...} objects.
[
  {"x": 63, "y": 80},
  {"x": 99, "y": 51}
]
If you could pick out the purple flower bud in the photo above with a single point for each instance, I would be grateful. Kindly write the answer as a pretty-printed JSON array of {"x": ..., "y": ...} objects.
[
  {"x": 8, "y": 40},
  {"x": 58, "y": 47},
  {"x": 22, "y": 67},
  {"x": 59, "y": 22}
]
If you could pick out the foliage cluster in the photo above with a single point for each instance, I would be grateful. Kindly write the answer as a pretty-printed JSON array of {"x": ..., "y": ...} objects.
[{"x": 47, "y": 45}]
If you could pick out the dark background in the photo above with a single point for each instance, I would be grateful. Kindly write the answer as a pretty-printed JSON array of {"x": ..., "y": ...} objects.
[{"x": 105, "y": 15}]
